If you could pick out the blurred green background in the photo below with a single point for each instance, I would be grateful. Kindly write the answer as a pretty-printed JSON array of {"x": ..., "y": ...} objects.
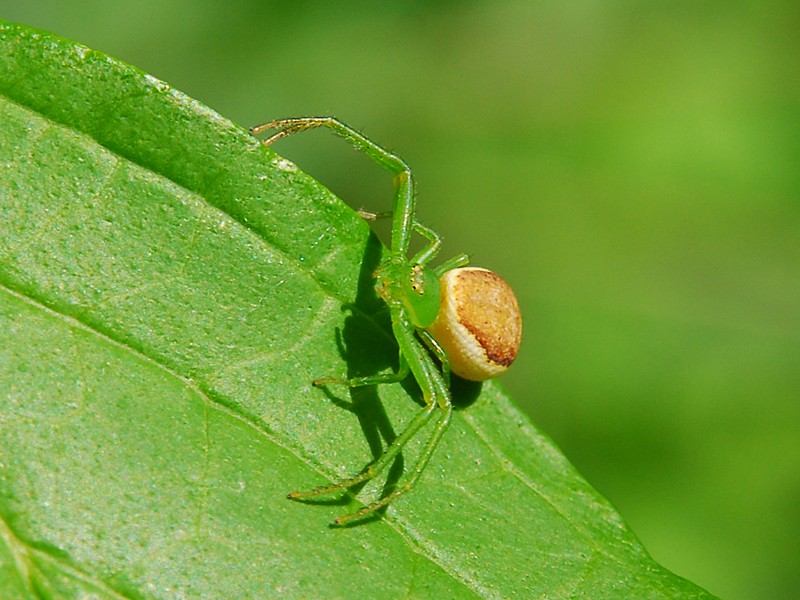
[{"x": 631, "y": 167}]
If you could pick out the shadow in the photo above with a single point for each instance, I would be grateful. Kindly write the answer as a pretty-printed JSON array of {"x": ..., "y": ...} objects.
[
  {"x": 367, "y": 345},
  {"x": 463, "y": 392}
]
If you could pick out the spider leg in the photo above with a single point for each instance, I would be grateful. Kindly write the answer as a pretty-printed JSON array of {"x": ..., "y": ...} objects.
[
  {"x": 461, "y": 260},
  {"x": 436, "y": 396},
  {"x": 439, "y": 352},
  {"x": 399, "y": 375},
  {"x": 404, "y": 202},
  {"x": 285, "y": 127},
  {"x": 376, "y": 467},
  {"x": 424, "y": 256},
  {"x": 419, "y": 467}
]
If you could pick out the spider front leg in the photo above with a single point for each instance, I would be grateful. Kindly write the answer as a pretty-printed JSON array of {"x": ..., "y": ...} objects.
[{"x": 404, "y": 202}]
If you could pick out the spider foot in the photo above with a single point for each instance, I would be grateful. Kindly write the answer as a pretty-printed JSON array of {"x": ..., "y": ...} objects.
[{"x": 323, "y": 381}]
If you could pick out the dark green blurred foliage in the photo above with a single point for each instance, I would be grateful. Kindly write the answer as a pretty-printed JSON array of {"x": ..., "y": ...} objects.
[{"x": 630, "y": 167}]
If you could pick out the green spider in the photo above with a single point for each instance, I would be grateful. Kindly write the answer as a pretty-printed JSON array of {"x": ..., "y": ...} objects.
[{"x": 468, "y": 318}]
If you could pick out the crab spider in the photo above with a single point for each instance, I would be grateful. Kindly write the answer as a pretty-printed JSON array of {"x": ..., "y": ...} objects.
[{"x": 468, "y": 318}]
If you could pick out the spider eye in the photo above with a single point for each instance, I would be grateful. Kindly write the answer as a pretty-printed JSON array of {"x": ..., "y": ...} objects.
[{"x": 417, "y": 280}]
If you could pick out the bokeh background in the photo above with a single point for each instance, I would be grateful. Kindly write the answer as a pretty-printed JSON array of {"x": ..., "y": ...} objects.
[{"x": 631, "y": 167}]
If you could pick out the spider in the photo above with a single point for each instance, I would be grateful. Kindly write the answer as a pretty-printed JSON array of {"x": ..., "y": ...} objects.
[{"x": 467, "y": 318}]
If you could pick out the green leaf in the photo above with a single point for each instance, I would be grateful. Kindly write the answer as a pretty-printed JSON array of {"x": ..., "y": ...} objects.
[{"x": 168, "y": 290}]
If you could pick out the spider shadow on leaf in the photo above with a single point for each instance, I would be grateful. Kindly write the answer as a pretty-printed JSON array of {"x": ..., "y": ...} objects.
[{"x": 367, "y": 346}]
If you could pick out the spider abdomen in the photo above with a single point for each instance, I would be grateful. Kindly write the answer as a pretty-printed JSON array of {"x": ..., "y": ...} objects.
[{"x": 479, "y": 325}]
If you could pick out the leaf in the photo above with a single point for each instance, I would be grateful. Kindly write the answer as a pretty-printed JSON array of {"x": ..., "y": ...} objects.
[{"x": 168, "y": 290}]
